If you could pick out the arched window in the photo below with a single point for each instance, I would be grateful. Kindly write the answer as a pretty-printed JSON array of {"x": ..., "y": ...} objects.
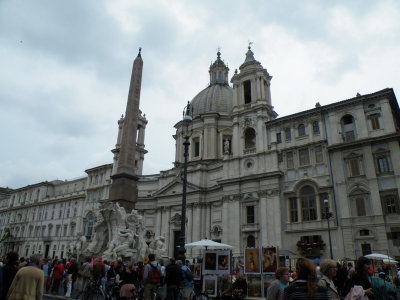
[
  {"x": 251, "y": 241},
  {"x": 249, "y": 138},
  {"x": 308, "y": 203},
  {"x": 348, "y": 128},
  {"x": 89, "y": 224},
  {"x": 301, "y": 129}
]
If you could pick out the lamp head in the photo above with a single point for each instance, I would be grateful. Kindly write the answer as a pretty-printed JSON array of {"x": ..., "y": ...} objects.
[
  {"x": 187, "y": 118},
  {"x": 188, "y": 113}
]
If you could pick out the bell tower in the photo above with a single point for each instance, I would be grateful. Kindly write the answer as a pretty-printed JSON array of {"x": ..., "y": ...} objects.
[
  {"x": 252, "y": 84},
  {"x": 251, "y": 106}
]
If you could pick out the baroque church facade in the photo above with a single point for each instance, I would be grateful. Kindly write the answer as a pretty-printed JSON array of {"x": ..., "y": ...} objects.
[{"x": 253, "y": 179}]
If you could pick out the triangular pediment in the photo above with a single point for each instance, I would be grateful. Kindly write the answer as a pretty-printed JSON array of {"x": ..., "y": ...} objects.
[{"x": 175, "y": 188}]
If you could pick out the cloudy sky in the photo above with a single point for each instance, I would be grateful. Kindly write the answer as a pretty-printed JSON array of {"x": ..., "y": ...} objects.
[{"x": 65, "y": 69}]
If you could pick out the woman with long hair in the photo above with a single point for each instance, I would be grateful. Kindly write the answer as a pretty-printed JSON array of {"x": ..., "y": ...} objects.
[
  {"x": 305, "y": 287},
  {"x": 361, "y": 278}
]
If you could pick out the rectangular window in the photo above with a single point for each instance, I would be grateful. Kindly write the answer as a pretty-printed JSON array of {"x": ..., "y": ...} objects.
[
  {"x": 390, "y": 203},
  {"x": 247, "y": 91},
  {"x": 58, "y": 230},
  {"x": 375, "y": 121},
  {"x": 293, "y": 210},
  {"x": 289, "y": 160},
  {"x": 196, "y": 150},
  {"x": 65, "y": 230},
  {"x": 394, "y": 235},
  {"x": 366, "y": 249},
  {"x": 360, "y": 207},
  {"x": 309, "y": 212},
  {"x": 383, "y": 164},
  {"x": 354, "y": 167},
  {"x": 301, "y": 130},
  {"x": 315, "y": 126},
  {"x": 278, "y": 138},
  {"x": 288, "y": 134},
  {"x": 304, "y": 158},
  {"x": 250, "y": 214},
  {"x": 319, "y": 158},
  {"x": 72, "y": 230}
]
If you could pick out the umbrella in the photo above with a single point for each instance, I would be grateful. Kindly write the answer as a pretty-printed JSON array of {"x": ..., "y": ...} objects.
[
  {"x": 316, "y": 260},
  {"x": 378, "y": 256},
  {"x": 208, "y": 244}
]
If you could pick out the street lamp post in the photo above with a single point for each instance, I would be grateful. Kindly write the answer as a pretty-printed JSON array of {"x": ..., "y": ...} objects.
[
  {"x": 328, "y": 215},
  {"x": 187, "y": 119}
]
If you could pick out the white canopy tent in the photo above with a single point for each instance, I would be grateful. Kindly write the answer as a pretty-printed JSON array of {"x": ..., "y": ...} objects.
[
  {"x": 385, "y": 258},
  {"x": 208, "y": 245}
]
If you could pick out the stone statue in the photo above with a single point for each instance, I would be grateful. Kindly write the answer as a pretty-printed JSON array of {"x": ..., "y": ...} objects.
[
  {"x": 118, "y": 234},
  {"x": 227, "y": 147},
  {"x": 136, "y": 223},
  {"x": 158, "y": 247},
  {"x": 121, "y": 244},
  {"x": 100, "y": 236},
  {"x": 76, "y": 247}
]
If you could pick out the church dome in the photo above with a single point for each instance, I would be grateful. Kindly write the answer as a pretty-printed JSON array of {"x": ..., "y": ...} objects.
[
  {"x": 218, "y": 96},
  {"x": 215, "y": 98}
]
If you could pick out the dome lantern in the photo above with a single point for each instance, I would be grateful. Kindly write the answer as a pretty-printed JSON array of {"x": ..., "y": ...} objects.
[{"x": 218, "y": 71}]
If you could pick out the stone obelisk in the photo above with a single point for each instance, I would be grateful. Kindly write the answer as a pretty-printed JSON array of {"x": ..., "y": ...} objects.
[{"x": 124, "y": 182}]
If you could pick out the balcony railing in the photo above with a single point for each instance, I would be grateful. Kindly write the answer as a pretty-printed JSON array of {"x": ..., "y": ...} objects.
[{"x": 249, "y": 150}]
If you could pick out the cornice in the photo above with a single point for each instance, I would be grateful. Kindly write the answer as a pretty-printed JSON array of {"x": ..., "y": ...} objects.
[
  {"x": 362, "y": 142},
  {"x": 250, "y": 177},
  {"x": 335, "y": 106}
]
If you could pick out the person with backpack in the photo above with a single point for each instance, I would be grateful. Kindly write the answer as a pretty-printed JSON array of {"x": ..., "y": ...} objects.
[
  {"x": 187, "y": 279},
  {"x": 151, "y": 278}
]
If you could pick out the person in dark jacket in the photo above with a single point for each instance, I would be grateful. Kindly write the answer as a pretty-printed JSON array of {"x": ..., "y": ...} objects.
[
  {"x": 9, "y": 271},
  {"x": 173, "y": 278},
  {"x": 361, "y": 277},
  {"x": 240, "y": 286}
]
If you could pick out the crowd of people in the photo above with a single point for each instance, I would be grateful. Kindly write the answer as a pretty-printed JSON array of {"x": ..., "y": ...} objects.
[
  {"x": 29, "y": 279},
  {"x": 22, "y": 278},
  {"x": 331, "y": 280}
]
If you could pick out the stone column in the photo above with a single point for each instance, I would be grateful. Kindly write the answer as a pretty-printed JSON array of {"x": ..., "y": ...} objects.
[
  {"x": 190, "y": 226},
  {"x": 196, "y": 236},
  {"x": 158, "y": 226}
]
